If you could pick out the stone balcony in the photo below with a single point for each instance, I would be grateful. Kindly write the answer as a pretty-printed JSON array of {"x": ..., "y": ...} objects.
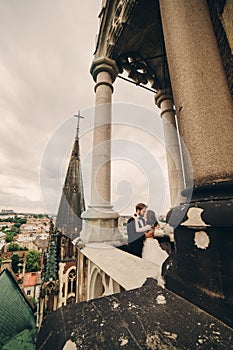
[{"x": 106, "y": 270}]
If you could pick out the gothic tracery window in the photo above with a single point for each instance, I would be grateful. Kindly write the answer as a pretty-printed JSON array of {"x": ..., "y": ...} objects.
[{"x": 71, "y": 281}]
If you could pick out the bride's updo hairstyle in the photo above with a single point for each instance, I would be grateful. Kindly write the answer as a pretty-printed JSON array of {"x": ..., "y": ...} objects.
[{"x": 151, "y": 218}]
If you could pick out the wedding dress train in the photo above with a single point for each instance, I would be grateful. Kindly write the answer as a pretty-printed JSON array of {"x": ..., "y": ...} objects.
[{"x": 154, "y": 253}]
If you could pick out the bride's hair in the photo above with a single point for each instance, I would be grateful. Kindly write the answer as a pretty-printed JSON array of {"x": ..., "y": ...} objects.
[{"x": 151, "y": 218}]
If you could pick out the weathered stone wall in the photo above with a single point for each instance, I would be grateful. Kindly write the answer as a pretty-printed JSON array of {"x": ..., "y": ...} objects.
[{"x": 219, "y": 12}]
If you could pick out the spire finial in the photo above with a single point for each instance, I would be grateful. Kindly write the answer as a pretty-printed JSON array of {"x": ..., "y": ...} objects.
[{"x": 78, "y": 116}]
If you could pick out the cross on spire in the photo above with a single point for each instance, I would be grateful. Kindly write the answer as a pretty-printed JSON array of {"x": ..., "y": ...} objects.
[{"x": 78, "y": 116}]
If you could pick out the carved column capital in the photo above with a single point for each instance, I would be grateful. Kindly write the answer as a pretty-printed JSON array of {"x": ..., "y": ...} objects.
[
  {"x": 163, "y": 95},
  {"x": 104, "y": 64}
]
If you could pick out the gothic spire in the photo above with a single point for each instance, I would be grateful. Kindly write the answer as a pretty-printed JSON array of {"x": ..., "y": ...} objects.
[{"x": 72, "y": 201}]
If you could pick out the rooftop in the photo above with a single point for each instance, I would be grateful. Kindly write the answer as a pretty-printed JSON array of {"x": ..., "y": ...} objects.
[
  {"x": 31, "y": 279},
  {"x": 16, "y": 314}
]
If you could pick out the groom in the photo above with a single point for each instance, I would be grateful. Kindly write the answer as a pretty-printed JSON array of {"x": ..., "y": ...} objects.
[{"x": 138, "y": 230}]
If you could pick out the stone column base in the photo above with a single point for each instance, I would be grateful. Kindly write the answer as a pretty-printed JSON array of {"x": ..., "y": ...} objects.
[
  {"x": 100, "y": 224},
  {"x": 200, "y": 268}
]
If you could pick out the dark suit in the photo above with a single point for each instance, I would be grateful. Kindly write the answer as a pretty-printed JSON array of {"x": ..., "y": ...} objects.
[{"x": 135, "y": 239}]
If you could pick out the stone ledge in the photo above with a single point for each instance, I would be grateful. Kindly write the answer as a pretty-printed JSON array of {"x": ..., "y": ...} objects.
[
  {"x": 120, "y": 266},
  {"x": 145, "y": 318}
]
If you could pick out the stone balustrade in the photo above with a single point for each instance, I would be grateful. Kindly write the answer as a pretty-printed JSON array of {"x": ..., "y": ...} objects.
[{"x": 106, "y": 270}]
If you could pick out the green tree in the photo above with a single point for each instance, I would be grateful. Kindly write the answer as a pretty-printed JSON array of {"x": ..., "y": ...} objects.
[
  {"x": 33, "y": 261},
  {"x": 13, "y": 247},
  {"x": 15, "y": 262},
  {"x": 9, "y": 237},
  {"x": 19, "y": 221},
  {"x": 14, "y": 230},
  {"x": 10, "y": 219},
  {"x": 33, "y": 301},
  {"x": 24, "y": 248}
]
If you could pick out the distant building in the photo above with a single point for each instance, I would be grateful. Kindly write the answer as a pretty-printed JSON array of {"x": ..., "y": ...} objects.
[
  {"x": 31, "y": 284},
  {"x": 7, "y": 211},
  {"x": 26, "y": 240},
  {"x": 2, "y": 240},
  {"x": 25, "y": 237},
  {"x": 38, "y": 221},
  {"x": 41, "y": 241},
  {"x": 2, "y": 236},
  {"x": 34, "y": 227},
  {"x": 6, "y": 223},
  {"x": 5, "y": 264},
  {"x": 33, "y": 239}
]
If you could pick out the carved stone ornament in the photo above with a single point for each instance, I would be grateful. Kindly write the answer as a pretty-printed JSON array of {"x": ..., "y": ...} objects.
[
  {"x": 120, "y": 16},
  {"x": 139, "y": 70},
  {"x": 51, "y": 287}
]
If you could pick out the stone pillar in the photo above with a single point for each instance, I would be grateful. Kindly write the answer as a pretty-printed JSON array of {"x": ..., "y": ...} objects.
[
  {"x": 82, "y": 277},
  {"x": 100, "y": 221},
  {"x": 164, "y": 101},
  {"x": 201, "y": 94},
  {"x": 41, "y": 311},
  {"x": 202, "y": 263}
]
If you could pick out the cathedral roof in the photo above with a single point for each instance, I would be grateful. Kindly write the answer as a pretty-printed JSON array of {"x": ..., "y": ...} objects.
[
  {"x": 72, "y": 201},
  {"x": 17, "y": 321}
]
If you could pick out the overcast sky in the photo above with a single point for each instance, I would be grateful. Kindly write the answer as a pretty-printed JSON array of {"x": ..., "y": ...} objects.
[{"x": 46, "y": 49}]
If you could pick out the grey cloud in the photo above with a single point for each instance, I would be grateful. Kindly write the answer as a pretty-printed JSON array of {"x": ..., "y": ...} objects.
[{"x": 46, "y": 50}]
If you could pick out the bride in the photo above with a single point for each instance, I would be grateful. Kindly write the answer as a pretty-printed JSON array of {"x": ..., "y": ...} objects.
[{"x": 151, "y": 248}]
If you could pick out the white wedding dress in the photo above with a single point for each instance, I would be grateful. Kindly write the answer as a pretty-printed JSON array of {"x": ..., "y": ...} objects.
[{"x": 153, "y": 252}]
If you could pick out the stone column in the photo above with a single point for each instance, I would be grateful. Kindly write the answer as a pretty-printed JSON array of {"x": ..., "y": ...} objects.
[
  {"x": 201, "y": 94},
  {"x": 100, "y": 221},
  {"x": 41, "y": 311},
  {"x": 202, "y": 264},
  {"x": 164, "y": 101}
]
